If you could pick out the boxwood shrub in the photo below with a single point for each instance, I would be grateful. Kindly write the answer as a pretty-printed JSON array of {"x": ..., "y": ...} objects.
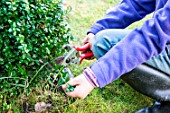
[{"x": 32, "y": 33}]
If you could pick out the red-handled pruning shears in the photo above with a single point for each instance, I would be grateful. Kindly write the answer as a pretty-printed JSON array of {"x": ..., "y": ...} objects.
[{"x": 75, "y": 57}]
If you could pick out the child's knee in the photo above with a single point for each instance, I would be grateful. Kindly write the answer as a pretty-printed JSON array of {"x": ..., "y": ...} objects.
[{"x": 101, "y": 44}]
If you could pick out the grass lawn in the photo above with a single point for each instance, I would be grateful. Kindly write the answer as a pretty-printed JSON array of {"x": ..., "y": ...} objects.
[{"x": 116, "y": 97}]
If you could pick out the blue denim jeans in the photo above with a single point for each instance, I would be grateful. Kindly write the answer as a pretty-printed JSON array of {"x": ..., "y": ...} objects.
[{"x": 106, "y": 39}]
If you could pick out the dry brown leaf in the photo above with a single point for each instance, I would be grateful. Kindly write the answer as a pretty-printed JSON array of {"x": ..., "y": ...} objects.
[
  {"x": 10, "y": 111},
  {"x": 40, "y": 107}
]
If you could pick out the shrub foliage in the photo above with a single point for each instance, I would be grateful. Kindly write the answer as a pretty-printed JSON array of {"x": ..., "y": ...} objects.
[{"x": 32, "y": 34}]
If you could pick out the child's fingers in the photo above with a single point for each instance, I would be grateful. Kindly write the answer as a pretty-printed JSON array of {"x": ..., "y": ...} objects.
[
  {"x": 73, "y": 82},
  {"x": 76, "y": 93}
]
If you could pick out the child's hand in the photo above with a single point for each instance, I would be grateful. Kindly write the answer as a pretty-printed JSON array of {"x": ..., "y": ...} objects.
[
  {"x": 82, "y": 87},
  {"x": 88, "y": 39}
]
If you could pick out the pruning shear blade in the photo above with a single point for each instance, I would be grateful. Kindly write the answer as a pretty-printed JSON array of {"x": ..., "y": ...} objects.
[{"x": 72, "y": 57}]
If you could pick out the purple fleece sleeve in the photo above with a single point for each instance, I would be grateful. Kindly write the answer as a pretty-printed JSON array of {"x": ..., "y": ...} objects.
[
  {"x": 136, "y": 48},
  {"x": 124, "y": 14}
]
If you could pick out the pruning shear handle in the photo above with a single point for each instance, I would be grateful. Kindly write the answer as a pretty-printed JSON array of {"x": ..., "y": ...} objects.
[{"x": 86, "y": 52}]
